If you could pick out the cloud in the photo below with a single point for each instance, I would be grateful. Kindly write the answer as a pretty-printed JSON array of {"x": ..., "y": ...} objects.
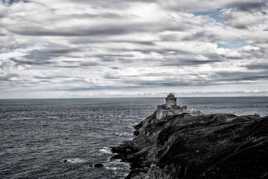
[
  {"x": 255, "y": 20},
  {"x": 10, "y": 2},
  {"x": 263, "y": 67},
  {"x": 248, "y": 5},
  {"x": 240, "y": 76},
  {"x": 207, "y": 5},
  {"x": 132, "y": 47},
  {"x": 8, "y": 77}
]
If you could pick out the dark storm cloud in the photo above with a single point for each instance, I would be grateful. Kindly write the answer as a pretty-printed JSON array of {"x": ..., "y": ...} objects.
[
  {"x": 8, "y": 77},
  {"x": 247, "y": 15},
  {"x": 262, "y": 67},
  {"x": 188, "y": 62},
  {"x": 31, "y": 62},
  {"x": 105, "y": 15},
  {"x": 248, "y": 6},
  {"x": 89, "y": 64},
  {"x": 159, "y": 83},
  {"x": 2, "y": 15},
  {"x": 239, "y": 76},
  {"x": 99, "y": 30},
  {"x": 92, "y": 40},
  {"x": 48, "y": 54},
  {"x": 112, "y": 77},
  {"x": 201, "y": 36},
  {"x": 42, "y": 57},
  {"x": 10, "y": 2},
  {"x": 112, "y": 56}
]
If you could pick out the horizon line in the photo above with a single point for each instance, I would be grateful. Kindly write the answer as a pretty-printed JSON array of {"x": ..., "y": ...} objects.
[{"x": 131, "y": 97}]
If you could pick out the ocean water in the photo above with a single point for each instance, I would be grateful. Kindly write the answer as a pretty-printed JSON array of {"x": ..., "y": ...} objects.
[{"x": 64, "y": 138}]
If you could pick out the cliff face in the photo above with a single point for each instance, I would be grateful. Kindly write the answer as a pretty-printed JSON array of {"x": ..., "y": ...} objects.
[{"x": 222, "y": 146}]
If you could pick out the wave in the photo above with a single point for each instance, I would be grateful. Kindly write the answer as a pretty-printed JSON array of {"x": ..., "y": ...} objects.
[
  {"x": 75, "y": 160},
  {"x": 106, "y": 150},
  {"x": 123, "y": 134}
]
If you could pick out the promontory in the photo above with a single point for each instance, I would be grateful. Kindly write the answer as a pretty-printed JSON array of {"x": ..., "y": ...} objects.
[{"x": 175, "y": 143}]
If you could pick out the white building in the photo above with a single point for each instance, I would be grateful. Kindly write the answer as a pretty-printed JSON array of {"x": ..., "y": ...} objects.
[
  {"x": 170, "y": 108},
  {"x": 171, "y": 100}
]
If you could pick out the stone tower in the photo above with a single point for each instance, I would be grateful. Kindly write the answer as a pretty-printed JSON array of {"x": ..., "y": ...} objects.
[{"x": 171, "y": 100}]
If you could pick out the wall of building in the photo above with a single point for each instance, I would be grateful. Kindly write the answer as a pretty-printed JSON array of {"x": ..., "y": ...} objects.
[{"x": 170, "y": 103}]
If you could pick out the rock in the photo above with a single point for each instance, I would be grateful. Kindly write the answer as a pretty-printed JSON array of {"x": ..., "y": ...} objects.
[
  {"x": 98, "y": 165},
  {"x": 203, "y": 146}
]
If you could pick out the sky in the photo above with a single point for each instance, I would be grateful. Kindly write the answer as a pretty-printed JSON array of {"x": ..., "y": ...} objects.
[{"x": 133, "y": 48}]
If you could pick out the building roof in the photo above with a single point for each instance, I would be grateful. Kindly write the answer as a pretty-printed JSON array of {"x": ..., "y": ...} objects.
[{"x": 170, "y": 96}]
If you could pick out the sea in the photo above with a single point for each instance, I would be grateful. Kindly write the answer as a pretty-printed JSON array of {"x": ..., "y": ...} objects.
[{"x": 66, "y": 138}]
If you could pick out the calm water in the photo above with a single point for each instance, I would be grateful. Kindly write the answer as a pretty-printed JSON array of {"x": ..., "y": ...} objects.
[{"x": 63, "y": 138}]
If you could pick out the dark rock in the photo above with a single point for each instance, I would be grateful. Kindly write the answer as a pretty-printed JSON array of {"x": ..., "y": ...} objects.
[
  {"x": 187, "y": 146},
  {"x": 98, "y": 165}
]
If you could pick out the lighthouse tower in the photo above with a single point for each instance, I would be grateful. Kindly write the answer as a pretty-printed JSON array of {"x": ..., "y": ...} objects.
[{"x": 171, "y": 101}]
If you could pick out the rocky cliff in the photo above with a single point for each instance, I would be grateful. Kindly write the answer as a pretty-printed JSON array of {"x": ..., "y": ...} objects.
[{"x": 184, "y": 146}]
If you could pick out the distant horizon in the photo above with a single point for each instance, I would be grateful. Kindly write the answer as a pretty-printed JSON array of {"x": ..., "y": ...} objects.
[{"x": 137, "y": 97}]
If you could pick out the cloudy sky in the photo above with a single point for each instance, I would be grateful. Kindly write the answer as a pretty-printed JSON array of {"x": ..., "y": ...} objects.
[{"x": 113, "y": 48}]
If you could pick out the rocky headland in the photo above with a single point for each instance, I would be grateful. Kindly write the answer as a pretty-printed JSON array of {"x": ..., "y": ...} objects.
[{"x": 187, "y": 145}]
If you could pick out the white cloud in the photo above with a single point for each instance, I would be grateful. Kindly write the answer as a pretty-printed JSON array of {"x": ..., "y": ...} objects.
[{"x": 112, "y": 47}]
